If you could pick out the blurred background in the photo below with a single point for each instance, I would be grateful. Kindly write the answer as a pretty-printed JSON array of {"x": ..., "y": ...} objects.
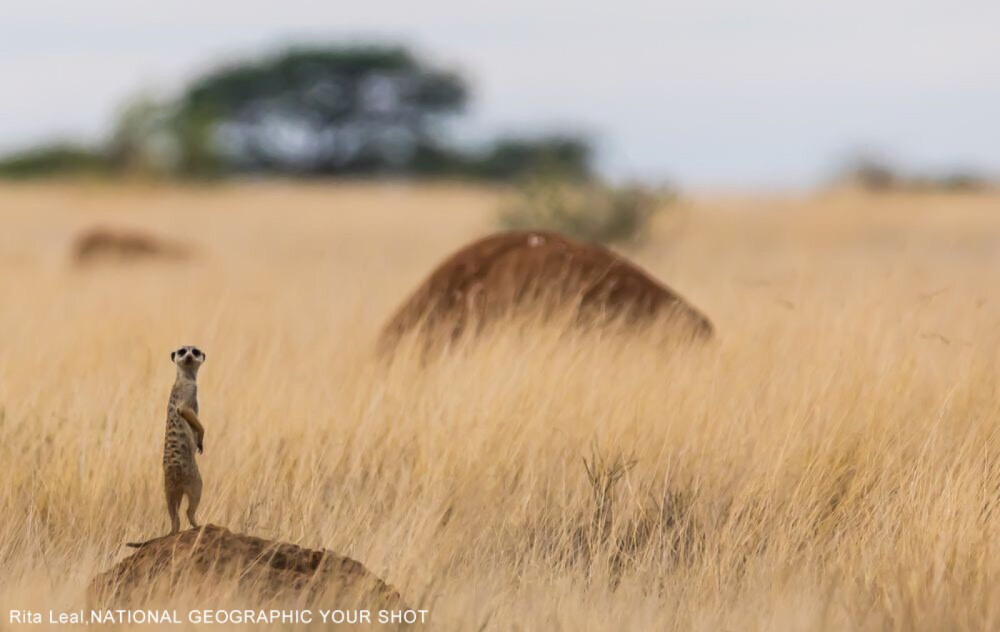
[
  {"x": 272, "y": 181},
  {"x": 712, "y": 95}
]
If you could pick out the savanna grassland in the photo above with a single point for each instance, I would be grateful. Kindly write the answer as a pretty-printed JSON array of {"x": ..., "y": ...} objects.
[{"x": 830, "y": 461}]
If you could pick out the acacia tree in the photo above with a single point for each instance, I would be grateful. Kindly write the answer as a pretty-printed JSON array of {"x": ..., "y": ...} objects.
[{"x": 318, "y": 112}]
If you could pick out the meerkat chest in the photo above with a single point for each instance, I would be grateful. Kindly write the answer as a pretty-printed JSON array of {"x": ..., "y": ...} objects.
[{"x": 183, "y": 394}]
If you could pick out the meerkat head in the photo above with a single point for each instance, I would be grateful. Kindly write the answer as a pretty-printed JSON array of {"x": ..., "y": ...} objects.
[{"x": 188, "y": 359}]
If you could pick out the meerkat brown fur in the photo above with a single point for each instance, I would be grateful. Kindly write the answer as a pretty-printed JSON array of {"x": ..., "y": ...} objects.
[{"x": 184, "y": 434}]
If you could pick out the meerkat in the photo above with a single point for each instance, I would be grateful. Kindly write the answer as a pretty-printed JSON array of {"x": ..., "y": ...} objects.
[{"x": 184, "y": 434}]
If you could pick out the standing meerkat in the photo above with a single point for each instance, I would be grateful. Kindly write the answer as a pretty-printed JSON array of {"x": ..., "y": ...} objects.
[{"x": 184, "y": 434}]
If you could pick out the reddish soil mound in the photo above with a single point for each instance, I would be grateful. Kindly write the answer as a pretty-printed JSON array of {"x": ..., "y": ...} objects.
[
  {"x": 123, "y": 245},
  {"x": 519, "y": 271},
  {"x": 211, "y": 556}
]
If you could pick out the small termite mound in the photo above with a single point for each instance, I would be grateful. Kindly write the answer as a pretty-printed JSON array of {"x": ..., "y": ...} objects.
[
  {"x": 212, "y": 558},
  {"x": 531, "y": 272},
  {"x": 124, "y": 246}
]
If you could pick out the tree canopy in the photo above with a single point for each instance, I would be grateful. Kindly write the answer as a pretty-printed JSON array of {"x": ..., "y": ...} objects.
[
  {"x": 319, "y": 111},
  {"x": 310, "y": 112}
]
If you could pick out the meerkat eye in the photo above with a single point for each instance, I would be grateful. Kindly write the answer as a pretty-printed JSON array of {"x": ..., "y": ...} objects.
[{"x": 198, "y": 352}]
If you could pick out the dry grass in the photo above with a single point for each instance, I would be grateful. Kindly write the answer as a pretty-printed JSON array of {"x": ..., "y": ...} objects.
[{"x": 829, "y": 462}]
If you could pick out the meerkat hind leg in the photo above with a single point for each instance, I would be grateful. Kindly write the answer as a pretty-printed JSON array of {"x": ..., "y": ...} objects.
[
  {"x": 174, "y": 496},
  {"x": 194, "y": 498}
]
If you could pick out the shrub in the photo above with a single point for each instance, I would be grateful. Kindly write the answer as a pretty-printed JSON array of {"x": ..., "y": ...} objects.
[
  {"x": 49, "y": 160},
  {"x": 879, "y": 176},
  {"x": 590, "y": 212},
  {"x": 565, "y": 156}
]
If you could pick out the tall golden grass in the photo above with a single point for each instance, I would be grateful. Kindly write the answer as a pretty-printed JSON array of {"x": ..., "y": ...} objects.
[{"x": 829, "y": 462}]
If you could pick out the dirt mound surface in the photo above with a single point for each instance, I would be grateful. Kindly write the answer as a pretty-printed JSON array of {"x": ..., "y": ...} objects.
[
  {"x": 122, "y": 245},
  {"x": 519, "y": 271},
  {"x": 262, "y": 570}
]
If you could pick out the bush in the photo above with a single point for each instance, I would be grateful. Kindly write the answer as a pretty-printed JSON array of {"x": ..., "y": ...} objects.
[
  {"x": 872, "y": 174},
  {"x": 879, "y": 176},
  {"x": 590, "y": 212},
  {"x": 563, "y": 156},
  {"x": 59, "y": 159}
]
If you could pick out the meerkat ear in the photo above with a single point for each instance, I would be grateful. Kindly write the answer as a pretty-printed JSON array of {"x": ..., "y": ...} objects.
[{"x": 172, "y": 354}]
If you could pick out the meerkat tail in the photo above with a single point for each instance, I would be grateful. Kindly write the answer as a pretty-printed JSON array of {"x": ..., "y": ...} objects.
[{"x": 139, "y": 545}]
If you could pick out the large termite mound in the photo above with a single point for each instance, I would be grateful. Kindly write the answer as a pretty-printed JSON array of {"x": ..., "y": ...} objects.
[
  {"x": 533, "y": 272},
  {"x": 214, "y": 558},
  {"x": 124, "y": 245}
]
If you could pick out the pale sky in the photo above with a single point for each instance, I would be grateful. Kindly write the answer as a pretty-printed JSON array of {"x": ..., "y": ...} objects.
[{"x": 710, "y": 93}]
